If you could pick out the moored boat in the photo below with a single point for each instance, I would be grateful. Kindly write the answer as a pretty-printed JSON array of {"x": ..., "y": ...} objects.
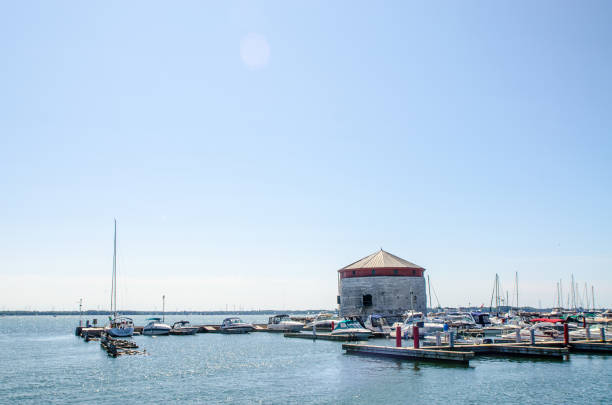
[
  {"x": 323, "y": 322},
  {"x": 120, "y": 326},
  {"x": 155, "y": 327},
  {"x": 183, "y": 328},
  {"x": 351, "y": 329},
  {"x": 381, "y": 323},
  {"x": 284, "y": 323},
  {"x": 235, "y": 325}
]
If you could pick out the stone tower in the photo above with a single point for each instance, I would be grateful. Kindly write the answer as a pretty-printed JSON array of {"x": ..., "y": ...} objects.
[{"x": 381, "y": 283}]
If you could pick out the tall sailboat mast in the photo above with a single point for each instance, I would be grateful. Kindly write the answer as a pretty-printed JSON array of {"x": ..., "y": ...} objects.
[
  {"x": 517, "y": 295},
  {"x": 114, "y": 302},
  {"x": 429, "y": 287}
]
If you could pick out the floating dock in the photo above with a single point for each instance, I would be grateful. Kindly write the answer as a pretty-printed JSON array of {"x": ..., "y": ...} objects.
[
  {"x": 410, "y": 353},
  {"x": 511, "y": 349},
  {"x": 589, "y": 346},
  {"x": 321, "y": 336}
]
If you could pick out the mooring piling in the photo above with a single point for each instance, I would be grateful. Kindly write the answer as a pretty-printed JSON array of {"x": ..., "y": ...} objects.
[{"x": 398, "y": 336}]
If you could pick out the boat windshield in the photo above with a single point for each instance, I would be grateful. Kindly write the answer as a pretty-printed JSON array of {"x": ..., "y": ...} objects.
[
  {"x": 279, "y": 318},
  {"x": 348, "y": 325},
  {"x": 231, "y": 321},
  {"x": 461, "y": 318},
  {"x": 122, "y": 322}
]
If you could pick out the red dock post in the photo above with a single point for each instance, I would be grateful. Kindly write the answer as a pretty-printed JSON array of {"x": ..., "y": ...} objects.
[
  {"x": 415, "y": 336},
  {"x": 565, "y": 334},
  {"x": 584, "y": 321},
  {"x": 398, "y": 336},
  {"x": 332, "y": 325}
]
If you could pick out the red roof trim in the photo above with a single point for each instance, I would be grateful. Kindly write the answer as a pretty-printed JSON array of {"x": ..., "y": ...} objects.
[{"x": 381, "y": 271}]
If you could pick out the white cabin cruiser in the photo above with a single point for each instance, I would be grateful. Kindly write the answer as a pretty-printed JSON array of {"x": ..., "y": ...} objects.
[
  {"x": 235, "y": 325},
  {"x": 183, "y": 328},
  {"x": 284, "y": 323},
  {"x": 351, "y": 329},
  {"x": 323, "y": 322},
  {"x": 381, "y": 323},
  {"x": 155, "y": 327},
  {"x": 426, "y": 327}
]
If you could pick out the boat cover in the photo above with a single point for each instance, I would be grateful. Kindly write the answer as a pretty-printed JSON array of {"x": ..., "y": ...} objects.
[{"x": 546, "y": 320}]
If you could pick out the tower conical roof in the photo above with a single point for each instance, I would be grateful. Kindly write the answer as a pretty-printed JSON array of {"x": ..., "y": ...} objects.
[{"x": 382, "y": 259}]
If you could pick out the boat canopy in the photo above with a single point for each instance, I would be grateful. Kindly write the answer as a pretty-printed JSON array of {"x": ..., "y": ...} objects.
[
  {"x": 153, "y": 319},
  {"x": 546, "y": 320}
]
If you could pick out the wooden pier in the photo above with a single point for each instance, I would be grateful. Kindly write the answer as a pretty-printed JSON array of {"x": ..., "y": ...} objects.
[
  {"x": 410, "y": 353},
  {"x": 579, "y": 346},
  {"x": 321, "y": 336},
  {"x": 590, "y": 346},
  {"x": 119, "y": 347},
  {"x": 510, "y": 349}
]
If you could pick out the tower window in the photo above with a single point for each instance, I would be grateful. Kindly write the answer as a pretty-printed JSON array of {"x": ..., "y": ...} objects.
[{"x": 367, "y": 300}]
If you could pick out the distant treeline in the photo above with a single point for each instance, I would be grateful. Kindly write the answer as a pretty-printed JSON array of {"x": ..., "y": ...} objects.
[{"x": 92, "y": 312}]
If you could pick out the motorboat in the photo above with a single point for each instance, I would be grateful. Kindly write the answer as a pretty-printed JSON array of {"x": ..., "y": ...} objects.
[
  {"x": 120, "y": 326},
  {"x": 481, "y": 318},
  {"x": 323, "y": 322},
  {"x": 284, "y": 323},
  {"x": 351, "y": 329},
  {"x": 236, "y": 325},
  {"x": 426, "y": 327},
  {"x": 381, "y": 323},
  {"x": 155, "y": 327},
  {"x": 461, "y": 320},
  {"x": 183, "y": 328}
]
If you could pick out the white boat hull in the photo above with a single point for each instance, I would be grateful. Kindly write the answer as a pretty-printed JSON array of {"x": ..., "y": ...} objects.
[
  {"x": 155, "y": 332},
  {"x": 286, "y": 326},
  {"x": 120, "y": 332},
  {"x": 359, "y": 335}
]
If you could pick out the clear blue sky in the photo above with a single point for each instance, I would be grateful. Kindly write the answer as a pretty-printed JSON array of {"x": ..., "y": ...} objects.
[{"x": 250, "y": 149}]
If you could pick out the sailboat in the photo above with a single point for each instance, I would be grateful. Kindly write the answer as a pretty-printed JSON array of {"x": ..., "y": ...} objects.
[{"x": 120, "y": 326}]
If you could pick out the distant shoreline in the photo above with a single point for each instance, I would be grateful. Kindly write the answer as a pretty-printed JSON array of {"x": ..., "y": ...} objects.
[
  {"x": 237, "y": 312},
  {"x": 155, "y": 312}
]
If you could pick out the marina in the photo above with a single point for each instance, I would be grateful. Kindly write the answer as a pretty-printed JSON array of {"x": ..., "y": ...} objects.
[
  {"x": 229, "y": 365},
  {"x": 366, "y": 313},
  {"x": 463, "y": 352}
]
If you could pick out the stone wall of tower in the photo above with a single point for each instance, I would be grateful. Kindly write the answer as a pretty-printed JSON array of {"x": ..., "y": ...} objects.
[{"x": 390, "y": 295}]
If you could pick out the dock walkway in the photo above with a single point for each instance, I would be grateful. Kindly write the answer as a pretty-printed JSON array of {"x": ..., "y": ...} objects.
[
  {"x": 321, "y": 336},
  {"x": 508, "y": 349},
  {"x": 410, "y": 353}
]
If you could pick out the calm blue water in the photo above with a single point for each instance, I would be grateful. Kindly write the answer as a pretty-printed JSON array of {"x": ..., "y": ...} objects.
[{"x": 43, "y": 362}]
